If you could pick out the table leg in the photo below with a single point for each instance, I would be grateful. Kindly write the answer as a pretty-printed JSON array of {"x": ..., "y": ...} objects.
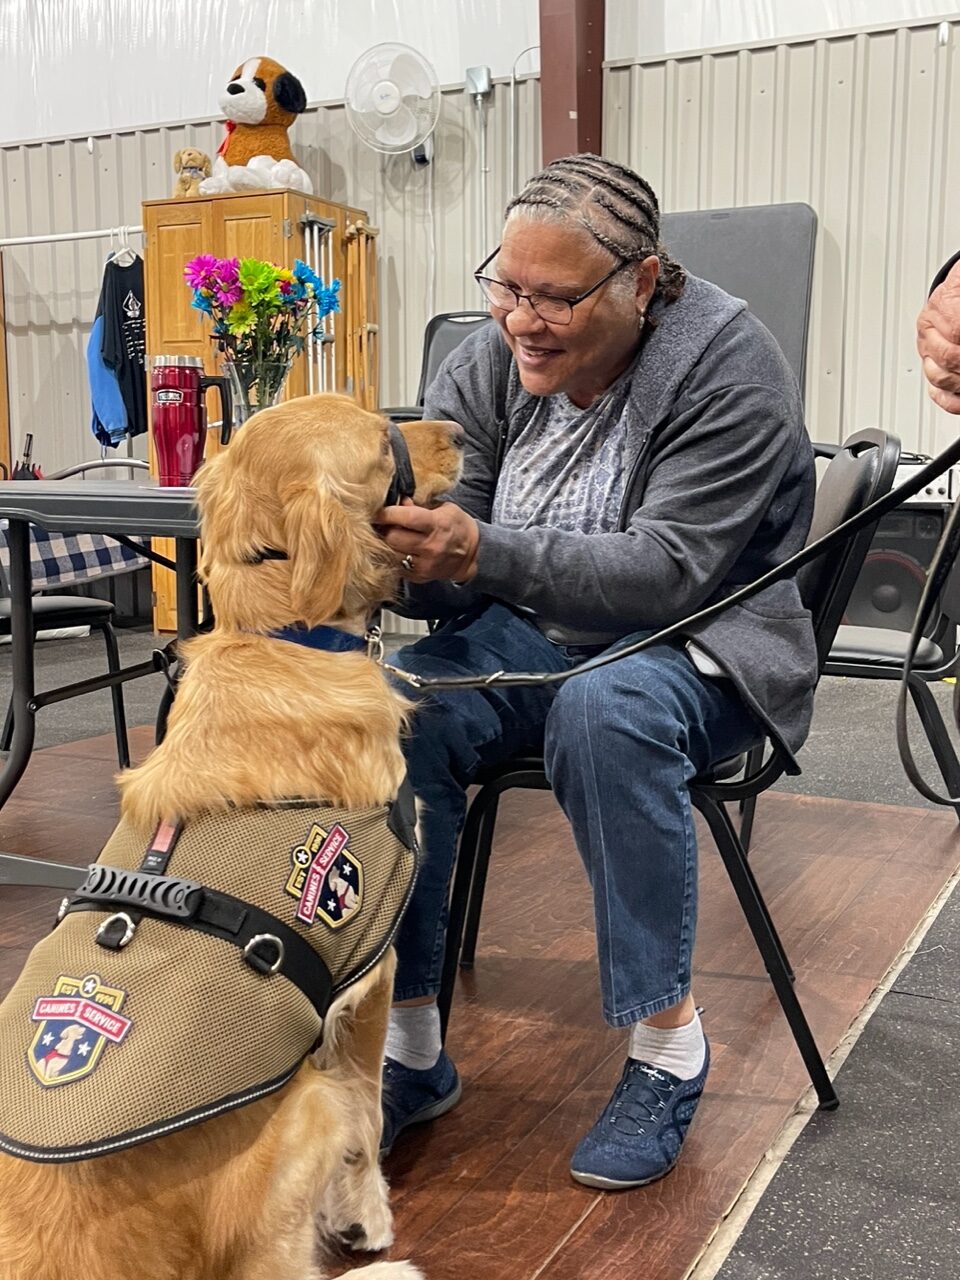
[
  {"x": 188, "y": 618},
  {"x": 188, "y": 614},
  {"x": 21, "y": 647},
  {"x": 25, "y": 871}
]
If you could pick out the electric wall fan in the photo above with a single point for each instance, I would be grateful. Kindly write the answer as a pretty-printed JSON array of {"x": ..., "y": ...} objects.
[{"x": 392, "y": 98}]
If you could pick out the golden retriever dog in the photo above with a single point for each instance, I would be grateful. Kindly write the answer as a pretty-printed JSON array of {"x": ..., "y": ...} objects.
[{"x": 253, "y": 1193}]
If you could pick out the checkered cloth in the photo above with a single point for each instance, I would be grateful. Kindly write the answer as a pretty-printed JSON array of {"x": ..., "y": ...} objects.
[{"x": 62, "y": 559}]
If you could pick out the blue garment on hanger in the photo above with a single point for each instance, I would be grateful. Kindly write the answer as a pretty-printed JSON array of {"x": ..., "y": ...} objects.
[{"x": 109, "y": 423}]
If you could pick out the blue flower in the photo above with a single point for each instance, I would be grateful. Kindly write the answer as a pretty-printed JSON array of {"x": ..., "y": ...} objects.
[
  {"x": 306, "y": 275},
  {"x": 328, "y": 299},
  {"x": 202, "y": 303}
]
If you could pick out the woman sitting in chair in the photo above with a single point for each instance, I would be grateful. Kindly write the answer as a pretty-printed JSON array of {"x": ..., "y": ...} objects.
[{"x": 635, "y": 450}]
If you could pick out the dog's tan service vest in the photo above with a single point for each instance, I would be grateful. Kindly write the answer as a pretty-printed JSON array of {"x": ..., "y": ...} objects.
[{"x": 192, "y": 971}]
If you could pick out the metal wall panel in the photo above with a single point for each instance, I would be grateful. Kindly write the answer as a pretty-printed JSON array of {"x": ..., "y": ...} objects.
[
  {"x": 862, "y": 127},
  {"x": 431, "y": 239}
]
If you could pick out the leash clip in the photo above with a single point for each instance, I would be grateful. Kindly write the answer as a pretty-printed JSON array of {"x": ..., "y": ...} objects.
[
  {"x": 415, "y": 682},
  {"x": 374, "y": 639}
]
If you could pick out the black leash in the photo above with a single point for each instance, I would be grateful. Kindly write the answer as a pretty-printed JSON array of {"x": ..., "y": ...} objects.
[{"x": 868, "y": 516}]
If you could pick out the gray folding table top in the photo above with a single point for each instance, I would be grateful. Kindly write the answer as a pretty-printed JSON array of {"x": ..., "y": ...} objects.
[{"x": 124, "y": 508}]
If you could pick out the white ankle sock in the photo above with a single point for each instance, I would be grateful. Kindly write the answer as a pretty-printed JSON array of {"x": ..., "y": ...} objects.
[
  {"x": 413, "y": 1035},
  {"x": 679, "y": 1050}
]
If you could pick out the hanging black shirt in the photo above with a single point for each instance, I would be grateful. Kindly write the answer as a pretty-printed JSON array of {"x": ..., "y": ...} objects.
[{"x": 124, "y": 338}]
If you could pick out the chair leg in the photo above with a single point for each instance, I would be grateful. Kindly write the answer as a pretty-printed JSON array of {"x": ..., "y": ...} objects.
[
  {"x": 479, "y": 883},
  {"x": 459, "y": 897},
  {"x": 937, "y": 736},
  {"x": 748, "y": 807},
  {"x": 116, "y": 694},
  {"x": 7, "y": 736},
  {"x": 163, "y": 711},
  {"x": 166, "y": 701},
  {"x": 768, "y": 943}
]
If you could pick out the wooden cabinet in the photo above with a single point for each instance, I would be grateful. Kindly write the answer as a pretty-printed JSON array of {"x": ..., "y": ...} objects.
[{"x": 279, "y": 227}]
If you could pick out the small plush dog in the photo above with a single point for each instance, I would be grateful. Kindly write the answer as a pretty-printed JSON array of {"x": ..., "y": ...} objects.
[
  {"x": 261, "y": 101},
  {"x": 191, "y": 167},
  {"x": 172, "y": 1116}
]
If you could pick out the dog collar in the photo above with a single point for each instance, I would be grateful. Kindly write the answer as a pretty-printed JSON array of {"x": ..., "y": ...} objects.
[
  {"x": 192, "y": 171},
  {"x": 329, "y": 639},
  {"x": 404, "y": 482}
]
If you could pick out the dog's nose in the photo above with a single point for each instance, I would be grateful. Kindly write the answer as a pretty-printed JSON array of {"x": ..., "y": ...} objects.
[
  {"x": 234, "y": 87},
  {"x": 458, "y": 437}
]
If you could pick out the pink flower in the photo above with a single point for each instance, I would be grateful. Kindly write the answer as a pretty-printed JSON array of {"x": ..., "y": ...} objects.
[
  {"x": 227, "y": 297},
  {"x": 199, "y": 271},
  {"x": 286, "y": 286},
  {"x": 228, "y": 271}
]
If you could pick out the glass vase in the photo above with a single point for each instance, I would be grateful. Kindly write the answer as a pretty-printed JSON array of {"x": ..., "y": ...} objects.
[{"x": 255, "y": 386}]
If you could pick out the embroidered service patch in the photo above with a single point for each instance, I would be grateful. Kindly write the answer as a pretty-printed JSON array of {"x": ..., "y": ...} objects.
[
  {"x": 326, "y": 877},
  {"x": 76, "y": 1024}
]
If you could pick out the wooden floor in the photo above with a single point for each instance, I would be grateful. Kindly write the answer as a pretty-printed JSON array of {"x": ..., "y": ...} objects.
[{"x": 485, "y": 1194}]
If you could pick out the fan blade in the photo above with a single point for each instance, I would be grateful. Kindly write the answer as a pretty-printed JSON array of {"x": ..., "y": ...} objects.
[
  {"x": 408, "y": 73},
  {"x": 364, "y": 75},
  {"x": 371, "y": 121},
  {"x": 361, "y": 98},
  {"x": 399, "y": 130}
]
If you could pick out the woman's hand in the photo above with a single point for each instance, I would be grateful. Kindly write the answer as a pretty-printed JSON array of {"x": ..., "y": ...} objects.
[
  {"x": 938, "y": 342},
  {"x": 434, "y": 543}
]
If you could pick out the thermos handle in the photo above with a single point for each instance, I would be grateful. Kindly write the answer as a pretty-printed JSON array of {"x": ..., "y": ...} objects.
[{"x": 226, "y": 404}]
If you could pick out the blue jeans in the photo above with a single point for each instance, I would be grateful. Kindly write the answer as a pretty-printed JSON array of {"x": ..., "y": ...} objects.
[{"x": 620, "y": 746}]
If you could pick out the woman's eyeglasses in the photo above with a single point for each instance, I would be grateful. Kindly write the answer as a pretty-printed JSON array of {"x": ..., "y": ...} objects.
[{"x": 549, "y": 308}]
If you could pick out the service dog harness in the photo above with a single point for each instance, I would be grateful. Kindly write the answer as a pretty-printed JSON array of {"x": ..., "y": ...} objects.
[{"x": 192, "y": 971}]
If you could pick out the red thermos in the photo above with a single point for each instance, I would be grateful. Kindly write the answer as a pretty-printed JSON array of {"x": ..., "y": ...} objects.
[{"x": 177, "y": 387}]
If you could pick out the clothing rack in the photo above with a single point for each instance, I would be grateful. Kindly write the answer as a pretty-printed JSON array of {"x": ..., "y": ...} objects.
[{"x": 104, "y": 233}]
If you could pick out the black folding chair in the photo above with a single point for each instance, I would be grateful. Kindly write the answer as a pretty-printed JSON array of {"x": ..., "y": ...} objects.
[
  {"x": 879, "y": 653},
  {"x": 443, "y": 334},
  {"x": 862, "y": 471},
  {"x": 64, "y": 611}
]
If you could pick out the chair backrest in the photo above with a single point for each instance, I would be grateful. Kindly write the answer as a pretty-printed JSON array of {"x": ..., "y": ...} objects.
[
  {"x": 862, "y": 470},
  {"x": 442, "y": 335},
  {"x": 762, "y": 253}
]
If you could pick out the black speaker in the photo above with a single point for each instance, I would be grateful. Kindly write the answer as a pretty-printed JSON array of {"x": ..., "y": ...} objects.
[{"x": 890, "y": 584}]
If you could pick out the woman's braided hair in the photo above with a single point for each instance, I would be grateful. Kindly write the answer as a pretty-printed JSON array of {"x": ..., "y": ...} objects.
[{"x": 613, "y": 203}]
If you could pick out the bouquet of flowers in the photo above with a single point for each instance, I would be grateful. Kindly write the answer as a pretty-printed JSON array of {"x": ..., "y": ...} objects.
[{"x": 262, "y": 315}]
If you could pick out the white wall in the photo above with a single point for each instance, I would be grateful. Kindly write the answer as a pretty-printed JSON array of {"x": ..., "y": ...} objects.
[
  {"x": 70, "y": 67},
  {"x": 640, "y": 28}
]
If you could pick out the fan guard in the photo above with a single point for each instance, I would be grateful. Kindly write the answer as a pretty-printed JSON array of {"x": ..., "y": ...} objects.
[{"x": 392, "y": 98}]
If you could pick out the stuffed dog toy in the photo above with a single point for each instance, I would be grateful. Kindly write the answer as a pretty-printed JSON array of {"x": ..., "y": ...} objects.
[
  {"x": 261, "y": 101},
  {"x": 191, "y": 1059},
  {"x": 191, "y": 167}
]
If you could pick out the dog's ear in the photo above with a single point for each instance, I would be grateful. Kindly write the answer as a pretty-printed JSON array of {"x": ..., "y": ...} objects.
[
  {"x": 206, "y": 166},
  {"x": 227, "y": 512},
  {"x": 178, "y": 162},
  {"x": 288, "y": 93},
  {"x": 319, "y": 543}
]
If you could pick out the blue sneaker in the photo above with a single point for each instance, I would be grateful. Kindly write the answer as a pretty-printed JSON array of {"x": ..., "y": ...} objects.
[
  {"x": 641, "y": 1130},
  {"x": 413, "y": 1097}
]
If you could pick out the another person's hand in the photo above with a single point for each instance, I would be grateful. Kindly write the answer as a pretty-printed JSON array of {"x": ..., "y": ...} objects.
[
  {"x": 434, "y": 544},
  {"x": 938, "y": 342}
]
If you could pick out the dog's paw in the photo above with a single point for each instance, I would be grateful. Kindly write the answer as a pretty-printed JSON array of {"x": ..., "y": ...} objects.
[{"x": 372, "y": 1235}]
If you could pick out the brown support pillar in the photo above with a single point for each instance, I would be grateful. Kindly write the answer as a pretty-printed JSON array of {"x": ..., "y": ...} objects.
[{"x": 571, "y": 76}]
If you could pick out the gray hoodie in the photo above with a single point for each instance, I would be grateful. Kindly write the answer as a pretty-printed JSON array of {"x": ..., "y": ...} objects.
[{"x": 720, "y": 486}]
